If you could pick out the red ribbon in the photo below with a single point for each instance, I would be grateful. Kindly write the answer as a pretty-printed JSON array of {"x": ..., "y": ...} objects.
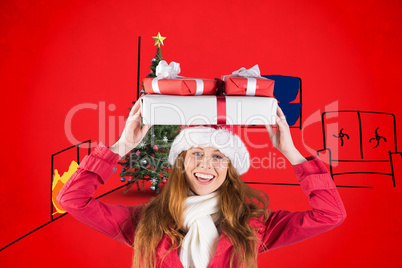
[
  {"x": 221, "y": 109},
  {"x": 221, "y": 115}
]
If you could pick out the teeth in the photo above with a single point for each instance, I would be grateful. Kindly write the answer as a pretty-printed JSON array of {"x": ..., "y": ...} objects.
[{"x": 204, "y": 176}]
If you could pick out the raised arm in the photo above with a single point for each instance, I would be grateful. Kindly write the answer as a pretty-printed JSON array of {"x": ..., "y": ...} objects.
[
  {"x": 283, "y": 227},
  {"x": 76, "y": 197},
  {"x": 116, "y": 221}
]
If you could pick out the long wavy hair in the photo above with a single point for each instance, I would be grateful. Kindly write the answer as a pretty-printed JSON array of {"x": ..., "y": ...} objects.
[{"x": 164, "y": 215}]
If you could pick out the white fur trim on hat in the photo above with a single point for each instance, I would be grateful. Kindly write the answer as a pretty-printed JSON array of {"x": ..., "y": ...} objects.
[{"x": 226, "y": 142}]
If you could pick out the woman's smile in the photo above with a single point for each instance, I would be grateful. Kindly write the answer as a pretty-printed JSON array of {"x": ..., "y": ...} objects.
[{"x": 204, "y": 178}]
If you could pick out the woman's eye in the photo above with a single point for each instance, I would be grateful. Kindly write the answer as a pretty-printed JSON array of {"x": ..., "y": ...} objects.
[
  {"x": 218, "y": 157},
  {"x": 197, "y": 154}
]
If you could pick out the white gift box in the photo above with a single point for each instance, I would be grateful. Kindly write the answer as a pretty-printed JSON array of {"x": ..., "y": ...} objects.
[{"x": 204, "y": 110}]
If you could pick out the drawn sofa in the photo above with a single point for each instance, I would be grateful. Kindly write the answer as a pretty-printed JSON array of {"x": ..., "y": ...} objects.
[{"x": 359, "y": 142}]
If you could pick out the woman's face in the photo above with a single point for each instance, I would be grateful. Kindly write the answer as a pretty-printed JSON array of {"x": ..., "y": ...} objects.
[{"x": 206, "y": 169}]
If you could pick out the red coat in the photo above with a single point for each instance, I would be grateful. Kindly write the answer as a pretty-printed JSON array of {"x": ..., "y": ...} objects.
[{"x": 281, "y": 229}]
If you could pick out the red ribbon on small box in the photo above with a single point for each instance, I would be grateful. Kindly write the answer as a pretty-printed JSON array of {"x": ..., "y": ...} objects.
[{"x": 248, "y": 82}]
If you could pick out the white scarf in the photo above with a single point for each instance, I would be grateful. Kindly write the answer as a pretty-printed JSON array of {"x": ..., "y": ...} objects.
[{"x": 198, "y": 244}]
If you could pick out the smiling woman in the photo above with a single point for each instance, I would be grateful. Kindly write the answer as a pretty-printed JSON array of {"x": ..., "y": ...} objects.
[
  {"x": 206, "y": 169},
  {"x": 206, "y": 216}
]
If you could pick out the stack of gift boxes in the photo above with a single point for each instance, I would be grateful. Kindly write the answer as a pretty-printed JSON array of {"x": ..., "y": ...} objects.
[{"x": 242, "y": 98}]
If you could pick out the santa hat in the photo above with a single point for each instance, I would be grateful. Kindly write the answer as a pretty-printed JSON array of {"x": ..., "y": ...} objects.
[{"x": 219, "y": 137}]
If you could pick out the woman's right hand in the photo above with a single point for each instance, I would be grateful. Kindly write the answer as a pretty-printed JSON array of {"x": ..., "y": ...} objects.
[
  {"x": 132, "y": 134},
  {"x": 282, "y": 139}
]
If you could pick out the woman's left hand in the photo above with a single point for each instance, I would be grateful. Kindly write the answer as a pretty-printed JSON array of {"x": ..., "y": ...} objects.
[{"x": 282, "y": 140}]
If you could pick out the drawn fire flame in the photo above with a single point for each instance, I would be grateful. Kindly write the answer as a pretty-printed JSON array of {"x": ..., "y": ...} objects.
[{"x": 58, "y": 183}]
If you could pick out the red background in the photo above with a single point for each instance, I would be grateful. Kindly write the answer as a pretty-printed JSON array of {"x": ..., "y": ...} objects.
[{"x": 55, "y": 55}]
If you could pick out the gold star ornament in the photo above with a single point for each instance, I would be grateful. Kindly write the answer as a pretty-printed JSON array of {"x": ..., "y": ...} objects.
[{"x": 158, "y": 40}]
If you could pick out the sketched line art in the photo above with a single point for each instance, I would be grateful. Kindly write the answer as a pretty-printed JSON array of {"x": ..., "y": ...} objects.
[
  {"x": 377, "y": 138},
  {"x": 366, "y": 156},
  {"x": 341, "y": 135},
  {"x": 52, "y": 212},
  {"x": 52, "y": 208}
]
